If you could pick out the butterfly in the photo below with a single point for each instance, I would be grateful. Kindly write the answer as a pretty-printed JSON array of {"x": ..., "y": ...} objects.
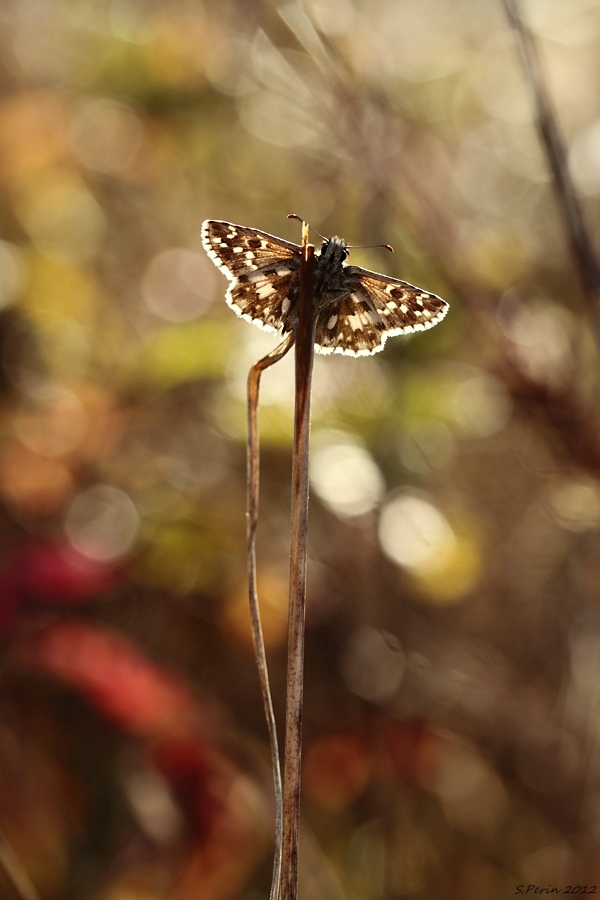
[{"x": 356, "y": 310}]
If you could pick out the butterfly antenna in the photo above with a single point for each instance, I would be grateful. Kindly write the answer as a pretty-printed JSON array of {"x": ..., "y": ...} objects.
[
  {"x": 348, "y": 246},
  {"x": 370, "y": 247},
  {"x": 300, "y": 219}
]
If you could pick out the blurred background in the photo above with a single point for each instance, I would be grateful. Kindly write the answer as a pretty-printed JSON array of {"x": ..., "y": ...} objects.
[{"x": 453, "y": 647}]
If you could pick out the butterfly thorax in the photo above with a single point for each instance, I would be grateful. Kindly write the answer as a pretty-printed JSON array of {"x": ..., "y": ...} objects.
[{"x": 329, "y": 265}]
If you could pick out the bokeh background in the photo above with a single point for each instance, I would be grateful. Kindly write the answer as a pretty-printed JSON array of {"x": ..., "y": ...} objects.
[{"x": 453, "y": 648}]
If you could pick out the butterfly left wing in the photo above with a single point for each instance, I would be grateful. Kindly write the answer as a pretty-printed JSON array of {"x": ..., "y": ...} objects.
[
  {"x": 263, "y": 271},
  {"x": 375, "y": 307}
]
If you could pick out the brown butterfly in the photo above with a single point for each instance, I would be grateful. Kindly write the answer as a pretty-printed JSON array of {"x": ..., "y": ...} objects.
[{"x": 357, "y": 310}]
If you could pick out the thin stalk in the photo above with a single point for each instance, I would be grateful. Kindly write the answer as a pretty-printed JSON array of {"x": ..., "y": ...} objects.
[
  {"x": 252, "y": 487},
  {"x": 553, "y": 144},
  {"x": 305, "y": 339}
]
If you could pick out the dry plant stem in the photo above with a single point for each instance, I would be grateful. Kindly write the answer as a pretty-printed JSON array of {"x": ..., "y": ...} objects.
[
  {"x": 305, "y": 338},
  {"x": 553, "y": 144},
  {"x": 16, "y": 874},
  {"x": 252, "y": 487}
]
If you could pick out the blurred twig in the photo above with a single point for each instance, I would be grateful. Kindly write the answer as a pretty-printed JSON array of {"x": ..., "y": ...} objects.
[
  {"x": 553, "y": 144},
  {"x": 253, "y": 476},
  {"x": 15, "y": 872},
  {"x": 570, "y": 417},
  {"x": 295, "y": 673}
]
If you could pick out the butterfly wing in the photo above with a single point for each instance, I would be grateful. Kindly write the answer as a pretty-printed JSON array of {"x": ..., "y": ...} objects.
[
  {"x": 263, "y": 271},
  {"x": 376, "y": 307}
]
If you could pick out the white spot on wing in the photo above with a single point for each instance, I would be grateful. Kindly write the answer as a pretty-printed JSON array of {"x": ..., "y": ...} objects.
[
  {"x": 332, "y": 321},
  {"x": 264, "y": 289},
  {"x": 258, "y": 276}
]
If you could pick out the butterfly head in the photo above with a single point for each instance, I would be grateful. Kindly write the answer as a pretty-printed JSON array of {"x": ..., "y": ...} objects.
[{"x": 334, "y": 251}]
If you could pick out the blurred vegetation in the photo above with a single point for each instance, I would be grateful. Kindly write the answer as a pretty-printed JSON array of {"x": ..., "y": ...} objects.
[{"x": 453, "y": 658}]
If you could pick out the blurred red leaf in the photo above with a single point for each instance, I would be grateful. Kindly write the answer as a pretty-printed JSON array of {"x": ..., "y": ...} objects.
[
  {"x": 413, "y": 749},
  {"x": 55, "y": 571},
  {"x": 140, "y": 696},
  {"x": 188, "y": 769},
  {"x": 9, "y": 601},
  {"x": 336, "y": 770}
]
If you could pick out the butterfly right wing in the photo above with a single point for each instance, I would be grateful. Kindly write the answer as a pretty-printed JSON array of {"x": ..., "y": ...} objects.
[
  {"x": 263, "y": 271},
  {"x": 403, "y": 307},
  {"x": 374, "y": 308}
]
